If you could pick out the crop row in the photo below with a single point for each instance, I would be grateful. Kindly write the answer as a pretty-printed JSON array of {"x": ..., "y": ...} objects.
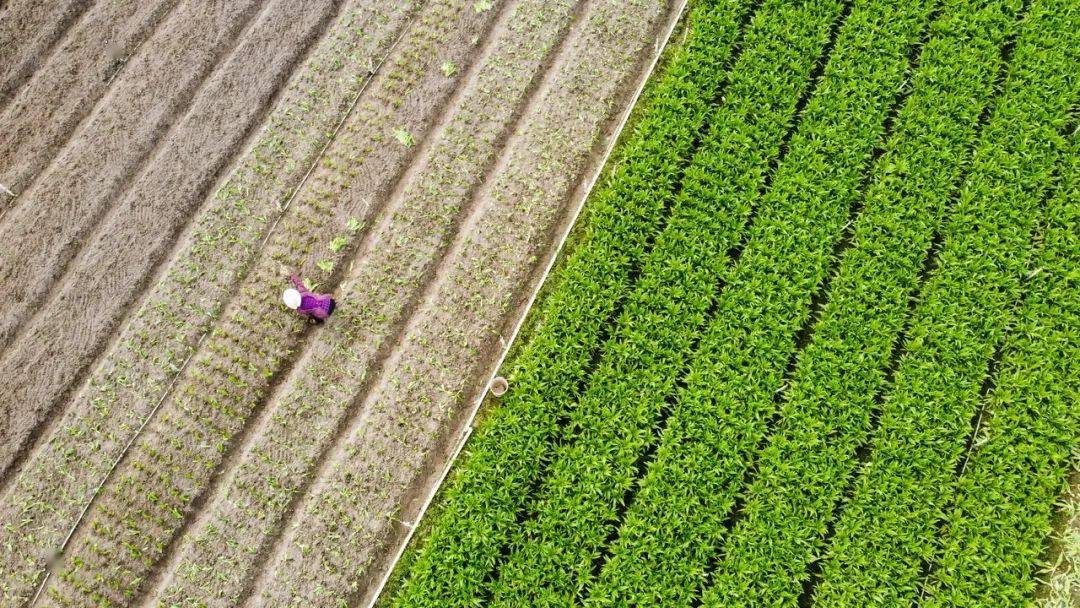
[
  {"x": 891, "y": 521},
  {"x": 60, "y": 476},
  {"x": 801, "y": 475},
  {"x": 432, "y": 376},
  {"x": 678, "y": 515},
  {"x": 994, "y": 534},
  {"x": 68, "y": 85},
  {"x": 233, "y": 372},
  {"x": 505, "y": 457},
  {"x": 655, "y": 334},
  {"x": 93, "y": 168},
  {"x": 141, "y": 228},
  {"x": 219, "y": 556}
]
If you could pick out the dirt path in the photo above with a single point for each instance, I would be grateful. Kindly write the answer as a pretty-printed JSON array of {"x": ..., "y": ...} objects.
[
  {"x": 244, "y": 514},
  {"x": 215, "y": 395},
  {"x": 45, "y": 111},
  {"x": 39, "y": 236},
  {"x": 1061, "y": 580},
  {"x": 43, "y": 500},
  {"x": 340, "y": 527},
  {"x": 63, "y": 336},
  {"x": 29, "y": 29}
]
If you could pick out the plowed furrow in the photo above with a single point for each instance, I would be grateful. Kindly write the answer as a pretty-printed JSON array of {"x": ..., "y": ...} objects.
[
  {"x": 29, "y": 29},
  {"x": 71, "y": 196},
  {"x": 68, "y": 84},
  {"x": 65, "y": 333}
]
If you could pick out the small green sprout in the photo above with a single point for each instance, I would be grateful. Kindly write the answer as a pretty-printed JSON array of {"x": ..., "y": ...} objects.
[
  {"x": 404, "y": 137},
  {"x": 449, "y": 68},
  {"x": 325, "y": 265},
  {"x": 338, "y": 244},
  {"x": 482, "y": 5},
  {"x": 354, "y": 224}
]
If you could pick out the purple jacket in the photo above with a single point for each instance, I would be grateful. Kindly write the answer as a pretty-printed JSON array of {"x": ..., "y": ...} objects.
[{"x": 315, "y": 305}]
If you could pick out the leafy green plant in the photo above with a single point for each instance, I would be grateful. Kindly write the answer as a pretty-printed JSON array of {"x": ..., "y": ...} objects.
[
  {"x": 1020, "y": 459},
  {"x": 652, "y": 339},
  {"x": 404, "y": 137},
  {"x": 892, "y": 518},
  {"x": 800, "y": 478}
]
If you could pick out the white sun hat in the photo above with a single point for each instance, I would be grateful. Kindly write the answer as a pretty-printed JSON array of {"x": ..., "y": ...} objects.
[{"x": 291, "y": 297}]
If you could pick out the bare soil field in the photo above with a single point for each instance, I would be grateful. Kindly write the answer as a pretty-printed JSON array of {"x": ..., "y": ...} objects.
[
  {"x": 29, "y": 29},
  {"x": 171, "y": 434},
  {"x": 46, "y": 110}
]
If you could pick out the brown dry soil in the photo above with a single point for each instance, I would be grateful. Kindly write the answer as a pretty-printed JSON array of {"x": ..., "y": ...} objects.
[
  {"x": 30, "y": 29},
  {"x": 169, "y": 433}
]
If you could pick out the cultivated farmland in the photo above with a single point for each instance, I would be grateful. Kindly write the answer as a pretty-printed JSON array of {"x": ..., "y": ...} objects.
[
  {"x": 813, "y": 341},
  {"x": 805, "y": 373},
  {"x": 166, "y": 421}
]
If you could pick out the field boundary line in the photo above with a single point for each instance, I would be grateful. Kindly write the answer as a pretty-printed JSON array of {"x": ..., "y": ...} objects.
[
  {"x": 196, "y": 348},
  {"x": 575, "y": 213}
]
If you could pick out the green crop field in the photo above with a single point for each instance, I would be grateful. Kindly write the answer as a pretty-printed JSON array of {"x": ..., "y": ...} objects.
[{"x": 816, "y": 341}]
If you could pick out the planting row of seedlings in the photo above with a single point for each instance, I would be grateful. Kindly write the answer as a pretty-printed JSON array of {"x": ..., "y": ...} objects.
[
  {"x": 172, "y": 463},
  {"x": 95, "y": 168},
  {"x": 886, "y": 534},
  {"x": 552, "y": 561},
  {"x": 59, "y": 477},
  {"x": 219, "y": 556},
  {"x": 679, "y": 513},
  {"x": 434, "y": 373},
  {"x": 29, "y": 30},
  {"x": 45, "y": 111},
  {"x": 995, "y": 532},
  {"x": 505, "y": 456},
  {"x": 802, "y": 471}
]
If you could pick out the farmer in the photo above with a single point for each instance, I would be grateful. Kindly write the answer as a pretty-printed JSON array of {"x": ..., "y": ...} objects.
[{"x": 317, "y": 306}]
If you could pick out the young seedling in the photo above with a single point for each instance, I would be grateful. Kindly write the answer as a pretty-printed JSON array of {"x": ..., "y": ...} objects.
[{"x": 404, "y": 137}]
